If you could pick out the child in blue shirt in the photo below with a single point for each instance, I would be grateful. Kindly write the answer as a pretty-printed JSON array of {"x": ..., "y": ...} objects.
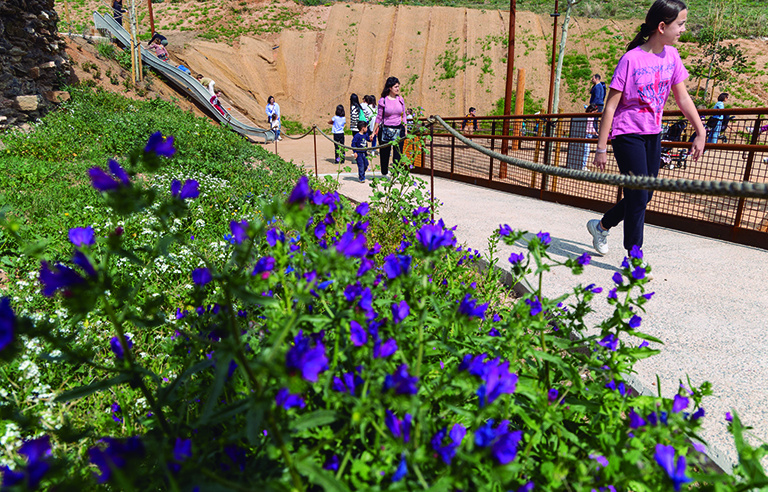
[{"x": 358, "y": 141}]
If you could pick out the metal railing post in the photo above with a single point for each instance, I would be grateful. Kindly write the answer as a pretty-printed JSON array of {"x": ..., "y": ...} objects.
[
  {"x": 453, "y": 153},
  {"x": 314, "y": 138},
  {"x": 747, "y": 175},
  {"x": 490, "y": 168}
]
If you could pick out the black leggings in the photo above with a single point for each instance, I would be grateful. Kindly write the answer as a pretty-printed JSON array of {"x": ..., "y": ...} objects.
[
  {"x": 639, "y": 155},
  {"x": 338, "y": 151},
  {"x": 385, "y": 152}
]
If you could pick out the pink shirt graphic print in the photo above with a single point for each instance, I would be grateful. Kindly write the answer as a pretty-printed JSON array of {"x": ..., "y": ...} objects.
[{"x": 645, "y": 80}]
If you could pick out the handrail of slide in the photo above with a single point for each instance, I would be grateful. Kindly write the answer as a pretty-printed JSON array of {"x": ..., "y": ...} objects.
[{"x": 181, "y": 79}]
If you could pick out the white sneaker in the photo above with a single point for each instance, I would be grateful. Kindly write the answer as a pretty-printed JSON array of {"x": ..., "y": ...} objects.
[{"x": 599, "y": 237}]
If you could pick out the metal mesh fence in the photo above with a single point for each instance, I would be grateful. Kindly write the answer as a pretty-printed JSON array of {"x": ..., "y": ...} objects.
[{"x": 737, "y": 150}]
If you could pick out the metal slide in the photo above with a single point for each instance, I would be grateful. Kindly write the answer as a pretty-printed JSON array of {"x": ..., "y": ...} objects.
[{"x": 188, "y": 84}]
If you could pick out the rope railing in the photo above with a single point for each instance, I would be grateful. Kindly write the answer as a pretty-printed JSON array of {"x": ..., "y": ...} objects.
[{"x": 692, "y": 186}]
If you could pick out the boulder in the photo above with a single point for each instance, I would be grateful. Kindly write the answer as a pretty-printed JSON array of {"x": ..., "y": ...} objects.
[
  {"x": 56, "y": 96},
  {"x": 27, "y": 103}
]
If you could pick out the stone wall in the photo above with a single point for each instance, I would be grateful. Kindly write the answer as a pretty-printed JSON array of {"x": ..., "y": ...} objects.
[{"x": 32, "y": 60}]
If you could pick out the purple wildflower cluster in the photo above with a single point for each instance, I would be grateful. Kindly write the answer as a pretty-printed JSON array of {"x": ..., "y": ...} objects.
[
  {"x": 103, "y": 181},
  {"x": 36, "y": 452},
  {"x": 432, "y": 237},
  {"x": 349, "y": 382},
  {"x": 495, "y": 376},
  {"x": 401, "y": 382},
  {"x": 115, "y": 455},
  {"x": 307, "y": 356},
  {"x": 469, "y": 307},
  {"x": 288, "y": 400},
  {"x": 190, "y": 189},
  {"x": 665, "y": 457},
  {"x": 446, "y": 451},
  {"x": 399, "y": 427},
  {"x": 502, "y": 441}
]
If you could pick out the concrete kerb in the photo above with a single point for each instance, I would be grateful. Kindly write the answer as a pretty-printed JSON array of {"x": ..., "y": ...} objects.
[{"x": 716, "y": 459}]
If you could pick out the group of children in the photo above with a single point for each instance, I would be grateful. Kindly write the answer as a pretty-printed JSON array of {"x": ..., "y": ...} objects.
[{"x": 385, "y": 121}]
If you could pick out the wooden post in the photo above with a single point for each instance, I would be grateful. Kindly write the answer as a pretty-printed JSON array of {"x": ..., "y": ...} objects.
[
  {"x": 151, "y": 18},
  {"x": 69, "y": 19},
  {"x": 557, "y": 158},
  {"x": 519, "y": 106},
  {"x": 508, "y": 89},
  {"x": 539, "y": 132}
]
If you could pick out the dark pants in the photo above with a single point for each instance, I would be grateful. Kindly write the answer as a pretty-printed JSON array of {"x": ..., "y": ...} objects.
[
  {"x": 362, "y": 165},
  {"x": 639, "y": 155},
  {"x": 338, "y": 137},
  {"x": 385, "y": 152}
]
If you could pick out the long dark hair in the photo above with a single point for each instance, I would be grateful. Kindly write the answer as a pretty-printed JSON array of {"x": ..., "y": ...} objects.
[
  {"x": 665, "y": 11},
  {"x": 354, "y": 102},
  {"x": 340, "y": 110},
  {"x": 271, "y": 98},
  {"x": 391, "y": 82}
]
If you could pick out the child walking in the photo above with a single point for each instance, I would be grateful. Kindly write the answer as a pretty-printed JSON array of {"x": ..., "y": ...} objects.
[
  {"x": 358, "y": 142},
  {"x": 338, "y": 122},
  {"x": 276, "y": 126},
  {"x": 641, "y": 83}
]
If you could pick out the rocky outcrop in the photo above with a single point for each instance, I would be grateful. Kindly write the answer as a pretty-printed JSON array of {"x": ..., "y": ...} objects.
[{"x": 32, "y": 60}]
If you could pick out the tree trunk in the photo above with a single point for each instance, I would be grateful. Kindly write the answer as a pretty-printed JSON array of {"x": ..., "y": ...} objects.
[{"x": 561, "y": 55}]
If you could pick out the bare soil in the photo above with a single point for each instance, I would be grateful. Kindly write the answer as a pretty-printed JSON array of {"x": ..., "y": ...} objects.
[{"x": 447, "y": 59}]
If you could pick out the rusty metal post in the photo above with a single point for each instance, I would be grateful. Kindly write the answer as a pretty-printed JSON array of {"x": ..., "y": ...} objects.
[
  {"x": 453, "y": 153},
  {"x": 314, "y": 138},
  {"x": 432, "y": 170},
  {"x": 151, "y": 18},
  {"x": 552, "y": 69},
  {"x": 747, "y": 175},
  {"x": 510, "y": 78},
  {"x": 557, "y": 156},
  {"x": 519, "y": 106},
  {"x": 490, "y": 169}
]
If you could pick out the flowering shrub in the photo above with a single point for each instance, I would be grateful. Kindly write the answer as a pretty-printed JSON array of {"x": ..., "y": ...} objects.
[{"x": 307, "y": 358}]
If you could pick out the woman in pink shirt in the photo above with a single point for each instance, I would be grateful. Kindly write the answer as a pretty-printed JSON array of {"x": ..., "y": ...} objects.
[
  {"x": 390, "y": 120},
  {"x": 641, "y": 84}
]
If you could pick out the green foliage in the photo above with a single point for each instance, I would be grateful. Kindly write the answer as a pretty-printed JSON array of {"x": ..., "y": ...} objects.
[
  {"x": 531, "y": 105},
  {"x": 576, "y": 74},
  {"x": 449, "y": 63},
  {"x": 106, "y": 49}
]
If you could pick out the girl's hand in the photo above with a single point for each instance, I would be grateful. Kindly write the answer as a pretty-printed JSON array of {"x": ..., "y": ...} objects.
[
  {"x": 601, "y": 159},
  {"x": 697, "y": 149}
]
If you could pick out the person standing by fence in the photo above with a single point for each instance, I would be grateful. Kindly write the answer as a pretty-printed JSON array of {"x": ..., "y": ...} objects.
[
  {"x": 641, "y": 83},
  {"x": 597, "y": 93},
  {"x": 717, "y": 119},
  {"x": 339, "y": 122},
  {"x": 390, "y": 123}
]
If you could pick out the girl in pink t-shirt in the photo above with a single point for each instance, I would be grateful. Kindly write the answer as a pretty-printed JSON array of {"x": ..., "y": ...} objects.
[{"x": 641, "y": 84}]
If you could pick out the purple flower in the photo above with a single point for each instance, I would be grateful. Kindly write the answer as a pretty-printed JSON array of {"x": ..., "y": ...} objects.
[
  {"x": 516, "y": 258},
  {"x": 287, "y": 400},
  {"x": 347, "y": 383},
  {"x": 544, "y": 238},
  {"x": 635, "y": 420},
  {"x": 448, "y": 451},
  {"x": 638, "y": 273},
  {"x": 399, "y": 428},
  {"x": 401, "y": 472},
  {"x": 160, "y": 145},
  {"x": 400, "y": 311},
  {"x": 362, "y": 209},
  {"x": 593, "y": 289},
  {"x": 61, "y": 277},
  {"x": 612, "y": 294},
  {"x": 265, "y": 265},
  {"x": 584, "y": 259},
  {"x": 102, "y": 181},
  {"x": 497, "y": 381},
  {"x": 505, "y": 230},
  {"x": 601, "y": 460},
  {"x": 119, "y": 348},
  {"x": 352, "y": 245},
  {"x": 307, "y": 358},
  {"x": 552, "y": 395},
  {"x": 332, "y": 463},
  {"x": 504, "y": 449},
  {"x": 36, "y": 451},
  {"x": 117, "y": 413},
  {"x": 679, "y": 404},
  {"x": 357, "y": 334},
  {"x": 648, "y": 296},
  {"x": 82, "y": 236},
  {"x": 494, "y": 332},
  {"x": 115, "y": 456},
  {"x": 435, "y": 236},
  {"x": 665, "y": 457},
  {"x": 528, "y": 487},
  {"x": 320, "y": 230},
  {"x": 471, "y": 309},
  {"x": 7, "y": 323},
  {"x": 82, "y": 261},
  {"x": 402, "y": 382},
  {"x": 618, "y": 278},
  {"x": 239, "y": 230},
  {"x": 535, "y": 305},
  {"x": 300, "y": 192},
  {"x": 728, "y": 417},
  {"x": 610, "y": 341},
  {"x": 182, "y": 449},
  {"x": 643, "y": 344},
  {"x": 396, "y": 265},
  {"x": 634, "y": 321},
  {"x": 698, "y": 414},
  {"x": 274, "y": 235},
  {"x": 636, "y": 252},
  {"x": 201, "y": 276},
  {"x": 189, "y": 190},
  {"x": 383, "y": 350}
]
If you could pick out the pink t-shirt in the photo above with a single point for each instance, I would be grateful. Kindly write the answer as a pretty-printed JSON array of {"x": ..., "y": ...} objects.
[
  {"x": 390, "y": 111},
  {"x": 645, "y": 80}
]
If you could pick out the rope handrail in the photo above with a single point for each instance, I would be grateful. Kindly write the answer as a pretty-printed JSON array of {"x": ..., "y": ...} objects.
[
  {"x": 356, "y": 149},
  {"x": 693, "y": 186}
]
